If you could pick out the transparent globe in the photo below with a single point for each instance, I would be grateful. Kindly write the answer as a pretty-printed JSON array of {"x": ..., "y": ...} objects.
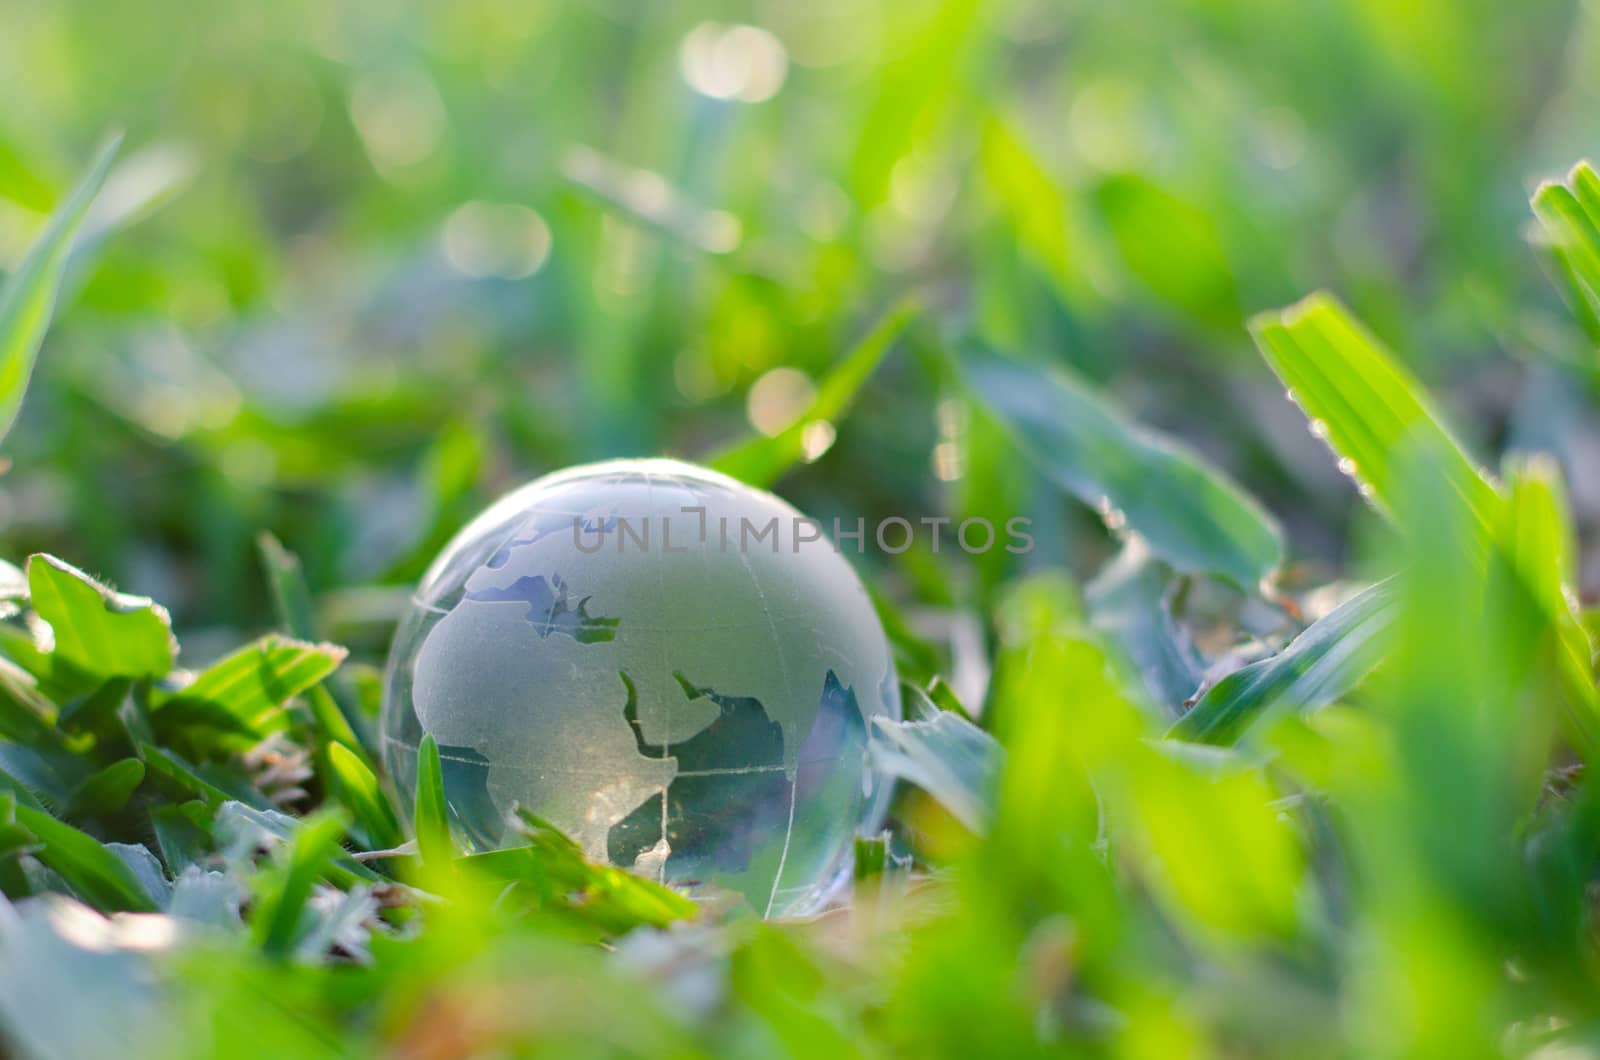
[{"x": 675, "y": 669}]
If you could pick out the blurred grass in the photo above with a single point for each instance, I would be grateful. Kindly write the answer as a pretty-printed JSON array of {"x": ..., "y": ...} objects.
[
  {"x": 357, "y": 269},
  {"x": 317, "y": 332}
]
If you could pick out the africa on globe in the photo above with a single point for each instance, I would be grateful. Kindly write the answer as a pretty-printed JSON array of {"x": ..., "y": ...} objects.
[{"x": 677, "y": 670}]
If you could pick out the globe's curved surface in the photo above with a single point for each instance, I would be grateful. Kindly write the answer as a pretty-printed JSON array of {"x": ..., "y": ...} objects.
[{"x": 668, "y": 665}]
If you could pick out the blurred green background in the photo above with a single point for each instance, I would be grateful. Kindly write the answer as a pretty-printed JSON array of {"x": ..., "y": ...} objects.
[
  {"x": 379, "y": 262},
  {"x": 361, "y": 267}
]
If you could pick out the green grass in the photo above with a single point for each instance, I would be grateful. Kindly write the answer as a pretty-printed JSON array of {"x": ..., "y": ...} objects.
[{"x": 1276, "y": 744}]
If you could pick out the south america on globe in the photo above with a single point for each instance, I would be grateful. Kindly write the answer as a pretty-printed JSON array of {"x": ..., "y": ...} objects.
[{"x": 677, "y": 670}]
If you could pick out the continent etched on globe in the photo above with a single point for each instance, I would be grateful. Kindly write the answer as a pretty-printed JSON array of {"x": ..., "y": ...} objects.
[{"x": 691, "y": 704}]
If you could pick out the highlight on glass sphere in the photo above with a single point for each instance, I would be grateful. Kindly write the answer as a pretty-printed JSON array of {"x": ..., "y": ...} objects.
[{"x": 677, "y": 670}]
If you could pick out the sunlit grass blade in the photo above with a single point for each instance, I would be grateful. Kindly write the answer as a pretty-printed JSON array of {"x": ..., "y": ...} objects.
[
  {"x": 1569, "y": 214},
  {"x": 1320, "y": 665},
  {"x": 431, "y": 819},
  {"x": 1536, "y": 532},
  {"x": 553, "y": 875},
  {"x": 358, "y": 789},
  {"x": 611, "y": 900},
  {"x": 1536, "y": 557},
  {"x": 332, "y": 723},
  {"x": 1362, "y": 402},
  {"x": 760, "y": 461},
  {"x": 1188, "y": 511},
  {"x": 98, "y": 631},
  {"x": 251, "y": 685},
  {"x": 29, "y": 297}
]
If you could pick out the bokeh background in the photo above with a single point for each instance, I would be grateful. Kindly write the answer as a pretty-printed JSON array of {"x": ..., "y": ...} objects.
[
  {"x": 361, "y": 266},
  {"x": 364, "y": 266}
]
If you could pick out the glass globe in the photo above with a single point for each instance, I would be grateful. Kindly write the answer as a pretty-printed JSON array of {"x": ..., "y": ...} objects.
[{"x": 677, "y": 670}]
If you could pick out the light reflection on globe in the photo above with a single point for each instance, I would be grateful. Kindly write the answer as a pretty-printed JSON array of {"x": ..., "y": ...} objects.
[{"x": 611, "y": 649}]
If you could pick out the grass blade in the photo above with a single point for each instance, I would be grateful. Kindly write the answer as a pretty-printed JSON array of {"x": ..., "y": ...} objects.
[
  {"x": 1569, "y": 214},
  {"x": 99, "y": 631},
  {"x": 1323, "y": 663},
  {"x": 94, "y": 872},
  {"x": 760, "y": 461},
  {"x": 249, "y": 686},
  {"x": 1129, "y": 605},
  {"x": 108, "y": 790},
  {"x": 432, "y": 820},
  {"x": 948, "y": 757},
  {"x": 872, "y": 856},
  {"x": 358, "y": 789},
  {"x": 236, "y": 822},
  {"x": 1360, "y": 400},
  {"x": 1190, "y": 514},
  {"x": 279, "y": 909},
  {"x": 29, "y": 298},
  {"x": 1535, "y": 562},
  {"x": 181, "y": 775},
  {"x": 335, "y": 720},
  {"x": 941, "y": 695},
  {"x": 25, "y": 714},
  {"x": 560, "y": 883},
  {"x": 291, "y": 598}
]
